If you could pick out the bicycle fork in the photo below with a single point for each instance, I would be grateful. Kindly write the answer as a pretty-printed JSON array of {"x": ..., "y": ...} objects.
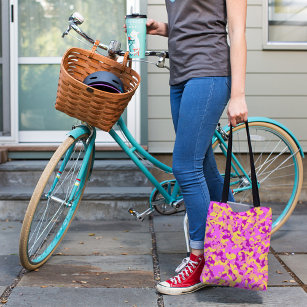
[{"x": 80, "y": 179}]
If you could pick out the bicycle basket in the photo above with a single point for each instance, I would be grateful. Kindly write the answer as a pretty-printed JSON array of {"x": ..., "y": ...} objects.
[{"x": 98, "y": 108}]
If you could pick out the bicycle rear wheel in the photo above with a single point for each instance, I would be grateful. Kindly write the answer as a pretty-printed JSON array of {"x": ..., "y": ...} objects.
[
  {"x": 54, "y": 203},
  {"x": 278, "y": 166}
]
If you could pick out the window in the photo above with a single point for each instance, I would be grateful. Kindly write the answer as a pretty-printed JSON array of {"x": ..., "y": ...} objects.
[
  {"x": 41, "y": 24},
  {"x": 286, "y": 26}
]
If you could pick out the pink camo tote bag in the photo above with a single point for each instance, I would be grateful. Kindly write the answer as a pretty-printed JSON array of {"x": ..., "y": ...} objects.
[{"x": 237, "y": 243}]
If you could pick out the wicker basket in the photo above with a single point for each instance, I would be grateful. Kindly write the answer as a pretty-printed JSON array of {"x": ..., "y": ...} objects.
[{"x": 98, "y": 108}]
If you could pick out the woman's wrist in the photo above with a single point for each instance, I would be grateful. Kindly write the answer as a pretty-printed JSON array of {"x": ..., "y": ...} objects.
[
  {"x": 236, "y": 95},
  {"x": 163, "y": 29}
]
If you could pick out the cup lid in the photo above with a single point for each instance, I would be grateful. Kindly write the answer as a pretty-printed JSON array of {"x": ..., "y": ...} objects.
[{"x": 135, "y": 15}]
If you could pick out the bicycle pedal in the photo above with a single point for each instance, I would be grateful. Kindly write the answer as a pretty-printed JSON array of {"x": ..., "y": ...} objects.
[
  {"x": 133, "y": 212},
  {"x": 141, "y": 216}
]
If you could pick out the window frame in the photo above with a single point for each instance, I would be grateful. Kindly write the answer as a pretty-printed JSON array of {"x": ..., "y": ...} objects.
[{"x": 266, "y": 44}]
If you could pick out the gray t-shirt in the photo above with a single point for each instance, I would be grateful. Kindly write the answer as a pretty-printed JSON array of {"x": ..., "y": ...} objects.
[{"x": 197, "y": 39}]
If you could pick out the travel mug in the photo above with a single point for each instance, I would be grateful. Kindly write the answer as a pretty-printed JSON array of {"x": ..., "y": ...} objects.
[{"x": 136, "y": 34}]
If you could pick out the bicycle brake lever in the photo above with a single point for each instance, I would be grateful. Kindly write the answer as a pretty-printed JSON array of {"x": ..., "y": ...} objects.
[
  {"x": 76, "y": 19},
  {"x": 161, "y": 62},
  {"x": 66, "y": 32}
]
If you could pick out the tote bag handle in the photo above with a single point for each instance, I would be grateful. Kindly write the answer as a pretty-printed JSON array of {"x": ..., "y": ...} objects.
[{"x": 256, "y": 199}]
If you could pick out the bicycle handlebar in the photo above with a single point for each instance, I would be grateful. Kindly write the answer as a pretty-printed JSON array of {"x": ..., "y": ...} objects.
[{"x": 114, "y": 47}]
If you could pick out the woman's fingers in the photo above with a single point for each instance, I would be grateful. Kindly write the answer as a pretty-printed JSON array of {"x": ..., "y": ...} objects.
[
  {"x": 152, "y": 26},
  {"x": 149, "y": 22},
  {"x": 237, "y": 111}
]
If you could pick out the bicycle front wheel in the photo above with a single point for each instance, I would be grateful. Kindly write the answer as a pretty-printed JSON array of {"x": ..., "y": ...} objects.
[
  {"x": 54, "y": 203},
  {"x": 278, "y": 165}
]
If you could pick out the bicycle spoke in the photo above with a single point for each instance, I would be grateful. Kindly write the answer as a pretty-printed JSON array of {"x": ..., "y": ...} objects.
[
  {"x": 42, "y": 232},
  {"x": 282, "y": 168},
  {"x": 274, "y": 170}
]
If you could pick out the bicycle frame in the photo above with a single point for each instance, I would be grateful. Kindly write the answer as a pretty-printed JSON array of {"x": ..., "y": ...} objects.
[
  {"x": 130, "y": 151},
  {"x": 170, "y": 198}
]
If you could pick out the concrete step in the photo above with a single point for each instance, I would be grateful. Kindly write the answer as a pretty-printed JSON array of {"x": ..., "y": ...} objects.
[
  {"x": 115, "y": 186},
  {"x": 106, "y": 173},
  {"x": 97, "y": 203},
  {"x": 91, "y": 193}
]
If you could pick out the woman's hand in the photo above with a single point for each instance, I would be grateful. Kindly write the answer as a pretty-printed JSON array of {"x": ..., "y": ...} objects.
[
  {"x": 237, "y": 110},
  {"x": 152, "y": 27},
  {"x": 156, "y": 28}
]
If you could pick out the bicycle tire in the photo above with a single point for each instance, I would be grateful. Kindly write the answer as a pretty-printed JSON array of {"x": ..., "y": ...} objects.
[
  {"x": 285, "y": 151},
  {"x": 27, "y": 257}
]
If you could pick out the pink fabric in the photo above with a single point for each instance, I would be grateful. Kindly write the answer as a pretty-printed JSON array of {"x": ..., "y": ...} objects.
[{"x": 237, "y": 246}]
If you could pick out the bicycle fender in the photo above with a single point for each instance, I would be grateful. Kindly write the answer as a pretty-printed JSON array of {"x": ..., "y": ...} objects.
[
  {"x": 75, "y": 133},
  {"x": 274, "y": 122}
]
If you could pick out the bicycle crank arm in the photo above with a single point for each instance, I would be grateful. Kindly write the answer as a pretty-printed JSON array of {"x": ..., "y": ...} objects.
[
  {"x": 177, "y": 204},
  {"x": 140, "y": 216},
  {"x": 59, "y": 200}
]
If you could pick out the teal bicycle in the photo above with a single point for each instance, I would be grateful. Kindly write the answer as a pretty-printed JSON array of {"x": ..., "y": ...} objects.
[{"x": 59, "y": 191}]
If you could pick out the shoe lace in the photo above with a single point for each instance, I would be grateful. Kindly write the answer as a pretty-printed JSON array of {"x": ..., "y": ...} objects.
[
  {"x": 182, "y": 265},
  {"x": 190, "y": 266}
]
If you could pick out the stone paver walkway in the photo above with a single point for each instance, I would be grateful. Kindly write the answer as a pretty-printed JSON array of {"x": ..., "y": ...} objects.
[{"x": 116, "y": 263}]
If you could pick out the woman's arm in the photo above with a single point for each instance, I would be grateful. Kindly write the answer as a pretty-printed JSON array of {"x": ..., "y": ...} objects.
[
  {"x": 236, "y": 15},
  {"x": 157, "y": 28}
]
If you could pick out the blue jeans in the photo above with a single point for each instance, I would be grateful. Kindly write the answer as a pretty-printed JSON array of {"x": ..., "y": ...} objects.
[{"x": 197, "y": 106}]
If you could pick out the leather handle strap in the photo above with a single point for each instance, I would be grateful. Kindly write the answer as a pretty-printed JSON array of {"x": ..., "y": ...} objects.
[
  {"x": 94, "y": 48},
  {"x": 127, "y": 60},
  {"x": 255, "y": 191}
]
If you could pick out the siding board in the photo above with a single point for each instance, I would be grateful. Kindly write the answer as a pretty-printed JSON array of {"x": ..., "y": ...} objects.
[
  {"x": 276, "y": 84},
  {"x": 159, "y": 107},
  {"x": 157, "y": 12},
  {"x": 277, "y": 106},
  {"x": 267, "y": 106},
  {"x": 277, "y": 62},
  {"x": 162, "y": 129},
  {"x": 155, "y": 42},
  {"x": 158, "y": 84},
  {"x": 254, "y": 17},
  {"x": 254, "y": 38}
]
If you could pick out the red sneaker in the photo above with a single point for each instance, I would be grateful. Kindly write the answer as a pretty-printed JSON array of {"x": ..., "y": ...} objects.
[{"x": 188, "y": 280}]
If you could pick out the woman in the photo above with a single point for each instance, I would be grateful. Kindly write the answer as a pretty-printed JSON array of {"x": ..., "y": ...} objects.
[{"x": 201, "y": 85}]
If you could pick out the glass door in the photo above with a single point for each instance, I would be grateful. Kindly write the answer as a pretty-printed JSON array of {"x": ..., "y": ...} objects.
[
  {"x": 40, "y": 47},
  {"x": 5, "y": 116}
]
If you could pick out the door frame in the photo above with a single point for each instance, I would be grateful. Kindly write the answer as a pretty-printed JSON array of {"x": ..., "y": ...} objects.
[
  {"x": 9, "y": 102},
  {"x": 43, "y": 137}
]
